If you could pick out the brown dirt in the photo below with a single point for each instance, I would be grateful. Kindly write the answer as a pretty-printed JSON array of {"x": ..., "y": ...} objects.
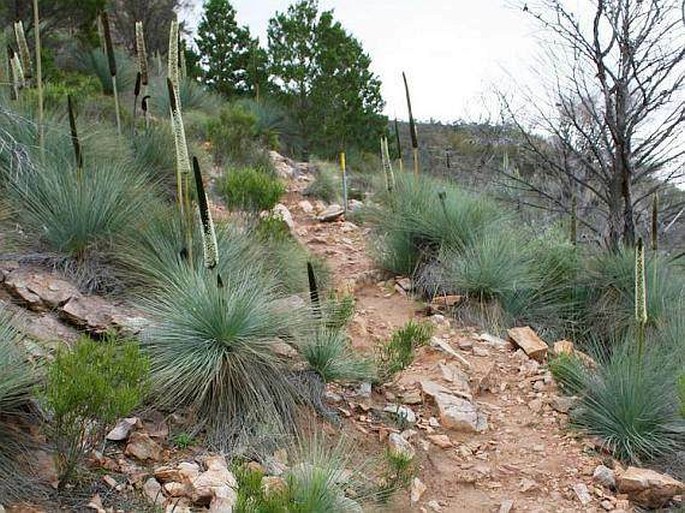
[{"x": 528, "y": 455}]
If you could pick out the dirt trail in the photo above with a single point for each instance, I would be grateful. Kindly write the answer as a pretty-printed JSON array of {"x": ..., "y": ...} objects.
[{"x": 526, "y": 457}]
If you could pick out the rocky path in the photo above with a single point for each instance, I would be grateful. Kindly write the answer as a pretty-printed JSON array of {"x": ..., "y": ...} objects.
[{"x": 525, "y": 460}]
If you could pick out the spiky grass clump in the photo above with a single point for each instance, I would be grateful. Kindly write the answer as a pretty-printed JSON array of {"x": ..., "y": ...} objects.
[
  {"x": 631, "y": 404},
  {"x": 327, "y": 184},
  {"x": 609, "y": 280},
  {"x": 18, "y": 379},
  {"x": 331, "y": 355},
  {"x": 211, "y": 351},
  {"x": 192, "y": 95},
  {"x": 72, "y": 213},
  {"x": 96, "y": 63}
]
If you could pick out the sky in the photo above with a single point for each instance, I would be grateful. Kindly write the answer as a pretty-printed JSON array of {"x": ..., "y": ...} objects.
[{"x": 454, "y": 52}]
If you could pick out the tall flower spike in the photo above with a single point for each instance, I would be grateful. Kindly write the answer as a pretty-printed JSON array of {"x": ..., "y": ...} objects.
[
  {"x": 172, "y": 63},
  {"x": 313, "y": 291},
  {"x": 640, "y": 284},
  {"x": 23, "y": 47},
  {"x": 13, "y": 72},
  {"x": 182, "y": 158},
  {"x": 412, "y": 127},
  {"x": 141, "y": 52},
  {"x": 74, "y": 135},
  {"x": 209, "y": 245}
]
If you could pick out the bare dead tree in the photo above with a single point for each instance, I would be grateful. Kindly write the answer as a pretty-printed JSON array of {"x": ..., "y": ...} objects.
[{"x": 614, "y": 111}]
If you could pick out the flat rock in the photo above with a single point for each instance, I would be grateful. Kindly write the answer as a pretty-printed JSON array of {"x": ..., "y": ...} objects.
[
  {"x": 647, "y": 487},
  {"x": 416, "y": 490},
  {"x": 582, "y": 493},
  {"x": 210, "y": 484},
  {"x": 282, "y": 212},
  {"x": 456, "y": 413},
  {"x": 306, "y": 206},
  {"x": 506, "y": 506},
  {"x": 122, "y": 430},
  {"x": 604, "y": 476},
  {"x": 331, "y": 213},
  {"x": 90, "y": 312},
  {"x": 142, "y": 447},
  {"x": 458, "y": 379},
  {"x": 529, "y": 342},
  {"x": 562, "y": 403},
  {"x": 153, "y": 491},
  {"x": 442, "y": 441},
  {"x": 39, "y": 291}
]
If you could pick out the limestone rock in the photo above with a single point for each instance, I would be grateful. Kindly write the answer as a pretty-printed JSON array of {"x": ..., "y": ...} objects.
[
  {"x": 39, "y": 291},
  {"x": 403, "y": 413},
  {"x": 209, "y": 484},
  {"x": 529, "y": 342},
  {"x": 175, "y": 489},
  {"x": 283, "y": 166},
  {"x": 90, "y": 312},
  {"x": 647, "y": 487},
  {"x": 306, "y": 206},
  {"x": 153, "y": 491},
  {"x": 444, "y": 346},
  {"x": 331, "y": 213},
  {"x": 417, "y": 490},
  {"x": 506, "y": 506},
  {"x": 457, "y": 378},
  {"x": 225, "y": 498},
  {"x": 442, "y": 441},
  {"x": 604, "y": 476},
  {"x": 142, "y": 447},
  {"x": 282, "y": 212},
  {"x": 563, "y": 404},
  {"x": 122, "y": 430},
  {"x": 400, "y": 446},
  {"x": 582, "y": 493},
  {"x": 455, "y": 412}
]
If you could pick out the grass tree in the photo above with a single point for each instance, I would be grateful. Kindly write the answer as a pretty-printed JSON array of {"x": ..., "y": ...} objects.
[
  {"x": 412, "y": 127},
  {"x": 39, "y": 74},
  {"x": 112, "y": 63}
]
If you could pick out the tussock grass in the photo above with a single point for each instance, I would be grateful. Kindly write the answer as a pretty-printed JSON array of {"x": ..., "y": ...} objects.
[
  {"x": 398, "y": 353},
  {"x": 331, "y": 355},
  {"x": 250, "y": 190},
  {"x": 211, "y": 351}
]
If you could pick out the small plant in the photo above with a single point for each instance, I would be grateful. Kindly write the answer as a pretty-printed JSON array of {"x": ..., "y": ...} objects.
[
  {"x": 569, "y": 372},
  {"x": 327, "y": 185},
  {"x": 397, "y": 474},
  {"x": 183, "y": 440},
  {"x": 398, "y": 353},
  {"x": 330, "y": 354},
  {"x": 87, "y": 389},
  {"x": 338, "y": 311},
  {"x": 234, "y": 136},
  {"x": 250, "y": 190}
]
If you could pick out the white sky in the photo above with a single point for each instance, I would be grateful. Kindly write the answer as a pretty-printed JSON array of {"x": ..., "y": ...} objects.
[{"x": 453, "y": 51}]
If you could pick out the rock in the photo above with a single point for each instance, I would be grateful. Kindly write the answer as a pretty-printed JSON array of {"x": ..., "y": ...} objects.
[
  {"x": 411, "y": 397},
  {"x": 273, "y": 484},
  {"x": 444, "y": 346},
  {"x": 647, "y": 487},
  {"x": 434, "y": 506},
  {"x": 604, "y": 476},
  {"x": 282, "y": 212},
  {"x": 153, "y": 491},
  {"x": 225, "y": 499},
  {"x": 405, "y": 284},
  {"x": 355, "y": 205},
  {"x": 457, "y": 378},
  {"x": 206, "y": 486},
  {"x": 465, "y": 344},
  {"x": 179, "y": 506},
  {"x": 175, "y": 489},
  {"x": 285, "y": 350},
  {"x": 142, "y": 447},
  {"x": 535, "y": 405},
  {"x": 188, "y": 471},
  {"x": 417, "y": 490},
  {"x": 155, "y": 425},
  {"x": 563, "y": 404},
  {"x": 400, "y": 446},
  {"x": 480, "y": 351},
  {"x": 39, "y": 291},
  {"x": 363, "y": 390},
  {"x": 443, "y": 303},
  {"x": 455, "y": 412},
  {"x": 493, "y": 341},
  {"x": 306, "y": 206},
  {"x": 331, "y": 213},
  {"x": 403, "y": 413},
  {"x": 95, "y": 504},
  {"x": 90, "y": 312},
  {"x": 527, "y": 485},
  {"x": 123, "y": 428},
  {"x": 563, "y": 347},
  {"x": 129, "y": 325},
  {"x": 582, "y": 493},
  {"x": 442, "y": 441},
  {"x": 506, "y": 506},
  {"x": 283, "y": 166},
  {"x": 529, "y": 342}
]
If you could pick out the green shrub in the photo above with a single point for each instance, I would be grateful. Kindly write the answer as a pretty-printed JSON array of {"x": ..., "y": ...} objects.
[
  {"x": 398, "y": 353},
  {"x": 94, "y": 62},
  {"x": 398, "y": 473},
  {"x": 570, "y": 373},
  {"x": 250, "y": 190},
  {"x": 88, "y": 388},
  {"x": 331, "y": 355},
  {"x": 234, "y": 137},
  {"x": 211, "y": 350},
  {"x": 193, "y": 96},
  {"x": 337, "y": 311},
  {"x": 681, "y": 392},
  {"x": 632, "y": 405},
  {"x": 17, "y": 381}
]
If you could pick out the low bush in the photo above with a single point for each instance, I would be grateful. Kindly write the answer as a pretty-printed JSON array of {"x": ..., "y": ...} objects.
[
  {"x": 235, "y": 139},
  {"x": 327, "y": 184},
  {"x": 94, "y": 62},
  {"x": 193, "y": 96},
  {"x": 87, "y": 389},
  {"x": 330, "y": 354},
  {"x": 399, "y": 469},
  {"x": 249, "y": 189},
  {"x": 398, "y": 353},
  {"x": 18, "y": 379}
]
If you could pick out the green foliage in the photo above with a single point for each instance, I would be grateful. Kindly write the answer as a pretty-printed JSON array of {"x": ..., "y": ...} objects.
[
  {"x": 337, "y": 311},
  {"x": 211, "y": 351},
  {"x": 398, "y": 352},
  {"x": 235, "y": 136},
  {"x": 327, "y": 184},
  {"x": 193, "y": 97},
  {"x": 398, "y": 473},
  {"x": 681, "y": 392},
  {"x": 94, "y": 62},
  {"x": 232, "y": 60},
  {"x": 155, "y": 154},
  {"x": 323, "y": 76},
  {"x": 87, "y": 389},
  {"x": 17, "y": 381},
  {"x": 331, "y": 355},
  {"x": 632, "y": 404},
  {"x": 569, "y": 372},
  {"x": 183, "y": 440},
  {"x": 249, "y": 189}
]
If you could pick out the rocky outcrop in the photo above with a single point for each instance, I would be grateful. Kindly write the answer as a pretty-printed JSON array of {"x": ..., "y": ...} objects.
[
  {"x": 456, "y": 412},
  {"x": 647, "y": 487}
]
